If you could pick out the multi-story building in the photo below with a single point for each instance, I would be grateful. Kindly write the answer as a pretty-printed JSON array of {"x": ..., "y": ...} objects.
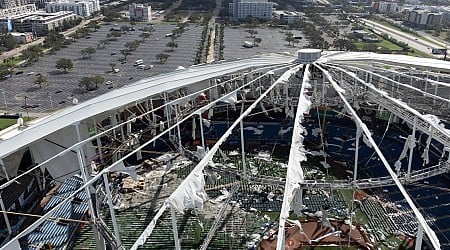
[
  {"x": 140, "y": 12},
  {"x": 241, "y": 9},
  {"x": 423, "y": 18},
  {"x": 22, "y": 37},
  {"x": 386, "y": 7},
  {"x": 38, "y": 23},
  {"x": 83, "y": 8},
  {"x": 5, "y": 4},
  {"x": 27, "y": 8},
  {"x": 286, "y": 16}
]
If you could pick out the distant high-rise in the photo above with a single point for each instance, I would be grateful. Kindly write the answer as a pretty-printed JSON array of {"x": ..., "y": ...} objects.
[
  {"x": 84, "y": 8},
  {"x": 423, "y": 18},
  {"x": 140, "y": 12},
  {"x": 5, "y": 4},
  {"x": 241, "y": 9}
]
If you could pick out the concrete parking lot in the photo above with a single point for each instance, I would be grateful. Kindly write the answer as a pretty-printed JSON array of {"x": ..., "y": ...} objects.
[
  {"x": 272, "y": 41},
  {"x": 20, "y": 89}
]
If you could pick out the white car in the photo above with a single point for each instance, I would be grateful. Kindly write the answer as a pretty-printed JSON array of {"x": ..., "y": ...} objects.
[
  {"x": 31, "y": 73},
  {"x": 108, "y": 82}
]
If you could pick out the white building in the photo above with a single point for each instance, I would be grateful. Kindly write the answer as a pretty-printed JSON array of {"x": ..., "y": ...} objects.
[
  {"x": 286, "y": 16},
  {"x": 38, "y": 23},
  {"x": 83, "y": 8},
  {"x": 18, "y": 10},
  {"x": 140, "y": 12},
  {"x": 423, "y": 18},
  {"x": 241, "y": 9}
]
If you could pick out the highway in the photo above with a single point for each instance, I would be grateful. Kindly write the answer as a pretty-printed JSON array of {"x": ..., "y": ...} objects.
[{"x": 412, "y": 41}]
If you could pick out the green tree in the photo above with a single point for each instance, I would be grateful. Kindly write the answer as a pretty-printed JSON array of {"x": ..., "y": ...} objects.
[
  {"x": 125, "y": 28},
  {"x": 54, "y": 40},
  {"x": 252, "y": 32},
  {"x": 64, "y": 64},
  {"x": 4, "y": 70},
  {"x": 144, "y": 36},
  {"x": 172, "y": 45},
  {"x": 256, "y": 41},
  {"x": 86, "y": 84},
  {"x": 97, "y": 80},
  {"x": 162, "y": 57},
  {"x": 40, "y": 80},
  {"x": 344, "y": 44},
  {"x": 93, "y": 25},
  {"x": 114, "y": 34},
  {"x": 132, "y": 45},
  {"x": 88, "y": 52},
  {"x": 125, "y": 53},
  {"x": 30, "y": 56},
  {"x": 8, "y": 41},
  {"x": 147, "y": 29},
  {"x": 289, "y": 38}
]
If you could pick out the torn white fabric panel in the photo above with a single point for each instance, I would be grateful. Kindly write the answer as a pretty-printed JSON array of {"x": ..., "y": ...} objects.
[
  {"x": 297, "y": 203},
  {"x": 230, "y": 98},
  {"x": 206, "y": 122},
  {"x": 425, "y": 156},
  {"x": 148, "y": 230},
  {"x": 294, "y": 174},
  {"x": 402, "y": 156},
  {"x": 192, "y": 194},
  {"x": 120, "y": 167},
  {"x": 210, "y": 113}
]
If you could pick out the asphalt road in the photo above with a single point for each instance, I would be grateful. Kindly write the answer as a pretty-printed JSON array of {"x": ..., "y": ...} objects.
[{"x": 412, "y": 41}]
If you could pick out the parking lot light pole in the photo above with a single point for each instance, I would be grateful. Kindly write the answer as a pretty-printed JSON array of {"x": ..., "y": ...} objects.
[
  {"x": 26, "y": 106},
  {"x": 50, "y": 99},
  {"x": 4, "y": 98}
]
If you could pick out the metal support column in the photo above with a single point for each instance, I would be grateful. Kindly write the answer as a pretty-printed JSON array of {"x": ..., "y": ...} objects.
[
  {"x": 201, "y": 130},
  {"x": 241, "y": 124},
  {"x": 180, "y": 145},
  {"x": 100, "y": 242},
  {"x": 175, "y": 229},
  {"x": 167, "y": 108},
  {"x": 5, "y": 216},
  {"x": 411, "y": 148},
  {"x": 419, "y": 236},
  {"x": 355, "y": 168},
  {"x": 122, "y": 132},
  {"x": 111, "y": 210},
  {"x": 99, "y": 141}
]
